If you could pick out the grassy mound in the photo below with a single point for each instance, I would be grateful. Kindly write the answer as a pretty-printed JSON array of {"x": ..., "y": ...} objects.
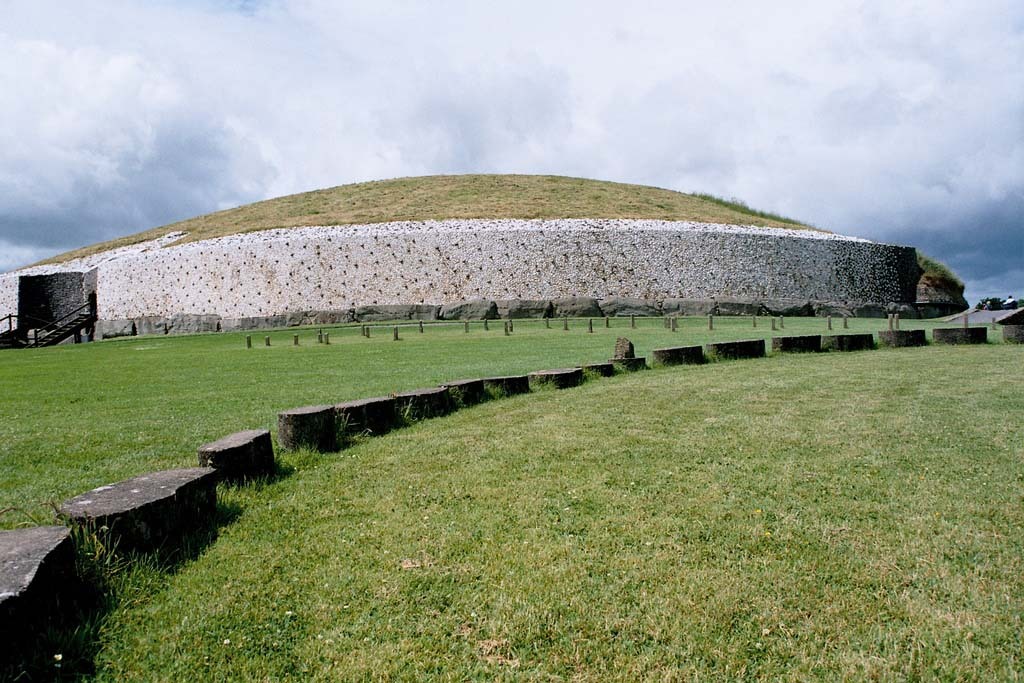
[
  {"x": 938, "y": 275},
  {"x": 463, "y": 196}
]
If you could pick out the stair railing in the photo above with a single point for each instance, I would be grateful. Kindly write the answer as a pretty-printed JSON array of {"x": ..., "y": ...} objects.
[{"x": 56, "y": 324}]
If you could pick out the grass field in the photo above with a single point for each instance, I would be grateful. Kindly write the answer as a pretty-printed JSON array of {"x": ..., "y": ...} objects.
[
  {"x": 801, "y": 517},
  {"x": 460, "y": 196}
]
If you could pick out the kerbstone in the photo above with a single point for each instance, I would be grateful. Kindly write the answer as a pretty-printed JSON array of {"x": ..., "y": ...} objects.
[
  {"x": 421, "y": 404},
  {"x": 806, "y": 343},
  {"x": 523, "y": 308},
  {"x": 308, "y": 427},
  {"x": 602, "y": 369},
  {"x": 847, "y": 342},
  {"x": 678, "y": 355},
  {"x": 466, "y": 392},
  {"x": 508, "y": 385},
  {"x": 37, "y": 578},
  {"x": 959, "y": 335},
  {"x": 748, "y": 348},
  {"x": 560, "y": 378},
  {"x": 476, "y": 309},
  {"x": 629, "y": 364},
  {"x": 625, "y": 307},
  {"x": 242, "y": 455},
  {"x": 376, "y": 415},
  {"x": 576, "y": 307},
  {"x": 150, "y": 510}
]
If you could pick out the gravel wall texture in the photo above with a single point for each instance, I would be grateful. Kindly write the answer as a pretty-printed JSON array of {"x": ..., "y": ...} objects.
[{"x": 339, "y": 267}]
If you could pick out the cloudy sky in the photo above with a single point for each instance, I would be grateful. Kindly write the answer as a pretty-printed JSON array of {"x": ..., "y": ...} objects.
[{"x": 896, "y": 121}]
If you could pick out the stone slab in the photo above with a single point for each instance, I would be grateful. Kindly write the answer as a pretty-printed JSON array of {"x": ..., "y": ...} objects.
[
  {"x": 902, "y": 338},
  {"x": 150, "y": 510},
  {"x": 523, "y": 308},
  {"x": 475, "y": 309},
  {"x": 747, "y": 348},
  {"x": 576, "y": 307},
  {"x": 374, "y": 416},
  {"x": 678, "y": 355},
  {"x": 239, "y": 456},
  {"x": 308, "y": 427},
  {"x": 466, "y": 392},
  {"x": 422, "y": 404},
  {"x": 805, "y": 343},
  {"x": 37, "y": 577},
  {"x": 560, "y": 378},
  {"x": 847, "y": 342},
  {"x": 629, "y": 364},
  {"x": 602, "y": 369},
  {"x": 1013, "y": 334},
  {"x": 959, "y": 335},
  {"x": 508, "y": 385},
  {"x": 625, "y": 307}
]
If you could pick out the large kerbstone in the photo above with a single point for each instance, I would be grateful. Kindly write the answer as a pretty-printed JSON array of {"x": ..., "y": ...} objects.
[
  {"x": 37, "y": 579},
  {"x": 253, "y": 323},
  {"x": 679, "y": 355},
  {"x": 831, "y": 308},
  {"x": 797, "y": 344},
  {"x": 560, "y": 378},
  {"x": 959, "y": 335},
  {"x": 847, "y": 342},
  {"x": 366, "y": 416},
  {"x": 905, "y": 311},
  {"x": 618, "y": 307},
  {"x": 629, "y": 364},
  {"x": 748, "y": 348},
  {"x": 307, "y": 427},
  {"x": 466, "y": 392},
  {"x": 576, "y": 307},
  {"x": 508, "y": 385},
  {"x": 901, "y": 338},
  {"x": 477, "y": 309},
  {"x": 150, "y": 324},
  {"x": 396, "y": 312},
  {"x": 738, "y": 307},
  {"x": 150, "y": 510},
  {"x": 1013, "y": 334},
  {"x": 240, "y": 456},
  {"x": 870, "y": 311},
  {"x": 422, "y": 404},
  {"x": 112, "y": 329},
  {"x": 186, "y": 323},
  {"x": 688, "y": 306},
  {"x": 523, "y": 308},
  {"x": 789, "y": 308}
]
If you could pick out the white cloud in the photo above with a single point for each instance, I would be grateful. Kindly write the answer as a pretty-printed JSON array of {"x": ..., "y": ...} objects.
[{"x": 895, "y": 121}]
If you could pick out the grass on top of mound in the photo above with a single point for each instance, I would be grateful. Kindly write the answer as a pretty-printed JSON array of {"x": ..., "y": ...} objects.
[
  {"x": 458, "y": 196},
  {"x": 937, "y": 274}
]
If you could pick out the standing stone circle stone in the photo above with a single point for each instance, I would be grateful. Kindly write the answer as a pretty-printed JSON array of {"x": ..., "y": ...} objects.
[
  {"x": 307, "y": 427},
  {"x": 678, "y": 355},
  {"x": 560, "y": 378},
  {"x": 147, "y": 511},
  {"x": 37, "y": 578},
  {"x": 902, "y": 338},
  {"x": 960, "y": 335},
  {"x": 624, "y": 348},
  {"x": 806, "y": 343},
  {"x": 1013, "y": 334},
  {"x": 240, "y": 456}
]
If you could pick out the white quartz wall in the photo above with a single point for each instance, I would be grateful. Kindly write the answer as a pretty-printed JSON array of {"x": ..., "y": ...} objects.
[{"x": 337, "y": 267}]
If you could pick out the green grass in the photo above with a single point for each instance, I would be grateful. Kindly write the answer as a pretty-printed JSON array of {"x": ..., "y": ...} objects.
[
  {"x": 801, "y": 517},
  {"x": 462, "y": 196},
  {"x": 937, "y": 274}
]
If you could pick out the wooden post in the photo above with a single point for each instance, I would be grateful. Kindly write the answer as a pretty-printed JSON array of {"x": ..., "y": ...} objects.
[
  {"x": 266, "y": 341},
  {"x": 632, "y": 321},
  {"x": 967, "y": 317},
  {"x": 248, "y": 341},
  {"x": 395, "y": 332},
  {"x": 846, "y": 322},
  {"x": 829, "y": 323},
  {"x": 889, "y": 316},
  {"x": 486, "y": 326},
  {"x": 755, "y": 322},
  {"x": 319, "y": 337},
  {"x": 773, "y": 324},
  {"x": 511, "y": 326},
  {"x": 674, "y": 323},
  {"x": 897, "y": 319},
  {"x": 565, "y": 324},
  {"x": 590, "y": 325},
  {"x": 295, "y": 339},
  {"x": 547, "y": 323},
  {"x": 607, "y": 321},
  {"x": 327, "y": 338},
  {"x": 421, "y": 327},
  {"x": 465, "y": 327},
  {"x": 782, "y": 323},
  {"x": 711, "y": 321},
  {"x": 506, "y": 328}
]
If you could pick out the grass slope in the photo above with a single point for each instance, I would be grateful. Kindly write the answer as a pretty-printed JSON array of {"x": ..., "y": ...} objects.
[
  {"x": 462, "y": 196},
  {"x": 803, "y": 517}
]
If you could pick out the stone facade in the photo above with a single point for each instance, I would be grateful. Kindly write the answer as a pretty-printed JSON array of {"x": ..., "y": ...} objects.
[{"x": 285, "y": 274}]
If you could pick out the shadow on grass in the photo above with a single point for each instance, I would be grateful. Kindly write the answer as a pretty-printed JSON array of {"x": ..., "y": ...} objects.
[{"x": 62, "y": 641}]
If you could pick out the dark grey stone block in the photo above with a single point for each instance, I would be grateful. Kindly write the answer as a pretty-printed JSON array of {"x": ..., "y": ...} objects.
[
  {"x": 748, "y": 348},
  {"x": 738, "y": 307},
  {"x": 397, "y": 312},
  {"x": 688, "y": 306},
  {"x": 240, "y": 456},
  {"x": 624, "y": 348},
  {"x": 477, "y": 309},
  {"x": 959, "y": 335},
  {"x": 602, "y": 369},
  {"x": 629, "y": 364},
  {"x": 1013, "y": 334},
  {"x": 508, "y": 385},
  {"x": 374, "y": 416},
  {"x": 422, "y": 404},
  {"x": 806, "y": 343},
  {"x": 679, "y": 355},
  {"x": 147, "y": 511},
  {"x": 560, "y": 378},
  {"x": 576, "y": 307},
  {"x": 307, "y": 427},
  {"x": 37, "y": 578},
  {"x": 847, "y": 342},
  {"x": 466, "y": 392},
  {"x": 112, "y": 329},
  {"x": 791, "y": 308},
  {"x": 625, "y": 307},
  {"x": 523, "y": 308},
  {"x": 901, "y": 338}
]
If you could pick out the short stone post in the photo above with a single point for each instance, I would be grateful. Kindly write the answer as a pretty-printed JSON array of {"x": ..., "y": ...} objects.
[
  {"x": 394, "y": 331},
  {"x": 773, "y": 324},
  {"x": 668, "y": 323},
  {"x": 565, "y": 324},
  {"x": 511, "y": 326},
  {"x": 367, "y": 328},
  {"x": 846, "y": 322},
  {"x": 967, "y": 317},
  {"x": 674, "y": 324},
  {"x": 319, "y": 337},
  {"x": 590, "y": 325},
  {"x": 248, "y": 341},
  {"x": 711, "y": 321},
  {"x": 782, "y": 323},
  {"x": 465, "y": 327},
  {"x": 632, "y": 321},
  {"x": 755, "y": 321},
  {"x": 829, "y": 322},
  {"x": 327, "y": 338},
  {"x": 896, "y": 319},
  {"x": 506, "y": 328},
  {"x": 295, "y": 339},
  {"x": 421, "y": 327},
  {"x": 607, "y": 321},
  {"x": 486, "y": 326},
  {"x": 266, "y": 341},
  {"x": 309, "y": 427},
  {"x": 889, "y": 317}
]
